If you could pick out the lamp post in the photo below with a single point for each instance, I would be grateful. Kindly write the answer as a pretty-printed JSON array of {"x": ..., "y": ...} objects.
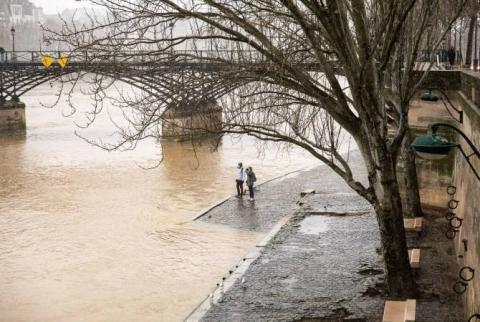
[
  {"x": 434, "y": 147},
  {"x": 14, "y": 59},
  {"x": 13, "y": 38},
  {"x": 2, "y": 59},
  {"x": 429, "y": 96}
]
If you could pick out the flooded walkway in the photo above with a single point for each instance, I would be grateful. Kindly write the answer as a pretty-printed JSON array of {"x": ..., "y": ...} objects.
[{"x": 323, "y": 263}]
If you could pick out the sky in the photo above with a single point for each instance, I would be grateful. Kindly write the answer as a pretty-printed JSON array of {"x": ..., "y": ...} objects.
[{"x": 56, "y": 6}]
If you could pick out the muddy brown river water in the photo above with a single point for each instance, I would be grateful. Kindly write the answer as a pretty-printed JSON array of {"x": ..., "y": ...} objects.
[{"x": 88, "y": 235}]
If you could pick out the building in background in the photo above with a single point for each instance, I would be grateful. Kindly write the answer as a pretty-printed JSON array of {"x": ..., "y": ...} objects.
[
  {"x": 4, "y": 23},
  {"x": 27, "y": 20},
  {"x": 23, "y": 11}
]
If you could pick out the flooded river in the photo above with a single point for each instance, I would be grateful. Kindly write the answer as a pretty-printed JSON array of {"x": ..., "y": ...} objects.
[{"x": 90, "y": 235}]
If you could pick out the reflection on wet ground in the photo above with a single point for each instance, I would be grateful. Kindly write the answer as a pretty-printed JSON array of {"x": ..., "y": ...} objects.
[
  {"x": 314, "y": 276},
  {"x": 322, "y": 267},
  {"x": 89, "y": 235},
  {"x": 314, "y": 225}
]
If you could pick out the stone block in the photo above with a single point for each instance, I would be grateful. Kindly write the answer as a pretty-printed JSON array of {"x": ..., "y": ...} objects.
[
  {"x": 413, "y": 224},
  {"x": 414, "y": 257},
  {"x": 399, "y": 311}
]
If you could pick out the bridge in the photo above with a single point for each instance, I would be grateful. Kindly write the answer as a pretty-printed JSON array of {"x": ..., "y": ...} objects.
[
  {"x": 23, "y": 71},
  {"x": 160, "y": 75}
]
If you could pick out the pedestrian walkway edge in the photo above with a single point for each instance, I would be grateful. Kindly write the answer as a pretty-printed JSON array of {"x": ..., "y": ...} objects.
[
  {"x": 227, "y": 282},
  {"x": 205, "y": 211}
]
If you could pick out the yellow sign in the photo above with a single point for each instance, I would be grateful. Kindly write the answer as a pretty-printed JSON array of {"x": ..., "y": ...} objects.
[
  {"x": 62, "y": 60},
  {"x": 47, "y": 60}
]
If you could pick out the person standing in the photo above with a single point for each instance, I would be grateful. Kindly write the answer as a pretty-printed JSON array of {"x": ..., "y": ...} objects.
[
  {"x": 251, "y": 178},
  {"x": 451, "y": 56},
  {"x": 239, "y": 179}
]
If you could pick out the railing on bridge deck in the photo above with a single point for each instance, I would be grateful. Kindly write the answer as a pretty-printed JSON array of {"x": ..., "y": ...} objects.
[
  {"x": 192, "y": 56},
  {"x": 29, "y": 56},
  {"x": 142, "y": 57},
  {"x": 22, "y": 57}
]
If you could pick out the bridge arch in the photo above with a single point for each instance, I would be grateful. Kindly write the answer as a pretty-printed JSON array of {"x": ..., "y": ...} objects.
[{"x": 158, "y": 81}]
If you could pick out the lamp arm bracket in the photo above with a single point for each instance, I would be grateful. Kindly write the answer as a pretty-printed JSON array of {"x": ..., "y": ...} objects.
[
  {"x": 468, "y": 161},
  {"x": 448, "y": 99},
  {"x": 459, "y": 111},
  {"x": 435, "y": 127}
]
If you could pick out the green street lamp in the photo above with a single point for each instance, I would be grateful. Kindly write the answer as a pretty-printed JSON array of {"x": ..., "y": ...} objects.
[
  {"x": 434, "y": 147},
  {"x": 429, "y": 96}
]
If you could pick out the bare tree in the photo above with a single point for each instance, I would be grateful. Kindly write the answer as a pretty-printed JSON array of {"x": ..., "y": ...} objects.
[
  {"x": 471, "y": 12},
  {"x": 305, "y": 72}
]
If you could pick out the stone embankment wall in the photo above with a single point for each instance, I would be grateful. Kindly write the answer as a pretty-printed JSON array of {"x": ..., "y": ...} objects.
[
  {"x": 434, "y": 177},
  {"x": 465, "y": 86},
  {"x": 468, "y": 190}
]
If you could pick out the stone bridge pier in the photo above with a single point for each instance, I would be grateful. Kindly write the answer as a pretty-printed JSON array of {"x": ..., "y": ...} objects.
[
  {"x": 185, "y": 121},
  {"x": 12, "y": 117},
  {"x": 180, "y": 122}
]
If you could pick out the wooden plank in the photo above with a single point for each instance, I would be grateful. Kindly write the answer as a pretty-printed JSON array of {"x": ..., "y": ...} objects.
[
  {"x": 413, "y": 224},
  {"x": 409, "y": 224},
  {"x": 410, "y": 308},
  {"x": 414, "y": 257},
  {"x": 418, "y": 224},
  {"x": 394, "y": 311}
]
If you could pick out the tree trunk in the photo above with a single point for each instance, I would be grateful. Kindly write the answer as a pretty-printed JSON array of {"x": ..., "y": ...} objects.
[
  {"x": 388, "y": 208},
  {"x": 455, "y": 49},
  {"x": 475, "y": 39},
  {"x": 460, "y": 45},
  {"x": 471, "y": 28},
  {"x": 412, "y": 206},
  {"x": 398, "y": 275}
]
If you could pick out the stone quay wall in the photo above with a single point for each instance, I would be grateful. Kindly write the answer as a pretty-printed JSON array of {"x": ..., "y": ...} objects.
[
  {"x": 468, "y": 191},
  {"x": 466, "y": 87},
  {"x": 444, "y": 79},
  {"x": 433, "y": 176}
]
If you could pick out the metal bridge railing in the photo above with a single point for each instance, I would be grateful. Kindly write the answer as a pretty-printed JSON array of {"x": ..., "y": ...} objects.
[
  {"x": 28, "y": 56},
  {"x": 139, "y": 56},
  {"x": 191, "y": 56}
]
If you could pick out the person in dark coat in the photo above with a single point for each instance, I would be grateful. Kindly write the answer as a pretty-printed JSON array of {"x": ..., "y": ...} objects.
[
  {"x": 251, "y": 178},
  {"x": 451, "y": 56}
]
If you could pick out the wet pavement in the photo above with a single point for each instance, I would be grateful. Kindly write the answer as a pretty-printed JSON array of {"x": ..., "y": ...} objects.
[
  {"x": 280, "y": 197},
  {"x": 316, "y": 267},
  {"x": 322, "y": 264}
]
